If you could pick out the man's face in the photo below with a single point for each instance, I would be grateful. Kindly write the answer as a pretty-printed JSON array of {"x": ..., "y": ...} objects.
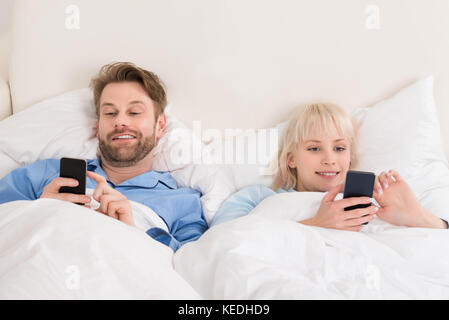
[{"x": 127, "y": 130}]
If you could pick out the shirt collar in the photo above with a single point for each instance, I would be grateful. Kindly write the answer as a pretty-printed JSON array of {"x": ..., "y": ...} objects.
[{"x": 149, "y": 179}]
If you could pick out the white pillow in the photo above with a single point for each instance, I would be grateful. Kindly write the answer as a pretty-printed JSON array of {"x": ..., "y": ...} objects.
[
  {"x": 400, "y": 133},
  {"x": 56, "y": 127},
  {"x": 255, "y": 164},
  {"x": 5, "y": 99},
  {"x": 403, "y": 133},
  {"x": 64, "y": 126}
]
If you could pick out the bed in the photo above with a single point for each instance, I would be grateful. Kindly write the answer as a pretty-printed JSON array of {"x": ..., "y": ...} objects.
[{"x": 234, "y": 72}]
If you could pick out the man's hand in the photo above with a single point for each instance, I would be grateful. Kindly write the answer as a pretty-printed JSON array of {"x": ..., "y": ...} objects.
[
  {"x": 112, "y": 202},
  {"x": 52, "y": 191}
]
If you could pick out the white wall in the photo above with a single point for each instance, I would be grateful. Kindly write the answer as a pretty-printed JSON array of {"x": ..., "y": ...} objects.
[
  {"x": 245, "y": 58},
  {"x": 5, "y": 23}
]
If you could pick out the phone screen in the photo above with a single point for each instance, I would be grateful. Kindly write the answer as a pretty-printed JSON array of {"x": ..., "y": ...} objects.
[
  {"x": 75, "y": 169},
  {"x": 359, "y": 184}
]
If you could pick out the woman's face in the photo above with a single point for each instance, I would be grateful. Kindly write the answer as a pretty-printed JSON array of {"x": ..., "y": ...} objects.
[{"x": 321, "y": 161}]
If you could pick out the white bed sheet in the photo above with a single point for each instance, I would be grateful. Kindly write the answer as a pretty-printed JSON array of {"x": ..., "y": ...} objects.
[
  {"x": 51, "y": 249},
  {"x": 268, "y": 255}
]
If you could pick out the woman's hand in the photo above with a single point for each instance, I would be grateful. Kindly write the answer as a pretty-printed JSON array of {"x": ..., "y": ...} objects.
[
  {"x": 399, "y": 205},
  {"x": 331, "y": 213},
  {"x": 112, "y": 202}
]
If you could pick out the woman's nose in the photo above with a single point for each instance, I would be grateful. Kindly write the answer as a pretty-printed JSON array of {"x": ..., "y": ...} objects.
[{"x": 328, "y": 159}]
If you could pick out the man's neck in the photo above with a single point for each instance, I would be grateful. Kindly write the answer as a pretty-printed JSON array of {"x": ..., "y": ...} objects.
[{"x": 120, "y": 174}]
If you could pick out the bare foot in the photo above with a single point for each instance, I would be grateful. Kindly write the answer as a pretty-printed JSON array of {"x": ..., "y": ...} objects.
[{"x": 399, "y": 205}]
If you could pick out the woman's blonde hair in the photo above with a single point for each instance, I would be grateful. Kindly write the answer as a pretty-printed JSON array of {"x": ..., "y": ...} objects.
[{"x": 322, "y": 116}]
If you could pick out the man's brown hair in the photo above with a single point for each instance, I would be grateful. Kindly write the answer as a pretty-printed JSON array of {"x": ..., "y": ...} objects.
[{"x": 127, "y": 71}]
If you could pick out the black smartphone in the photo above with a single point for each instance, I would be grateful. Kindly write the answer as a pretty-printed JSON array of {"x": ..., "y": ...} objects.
[
  {"x": 359, "y": 184},
  {"x": 75, "y": 169}
]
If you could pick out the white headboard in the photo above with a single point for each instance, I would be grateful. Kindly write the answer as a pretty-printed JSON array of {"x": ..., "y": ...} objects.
[{"x": 236, "y": 64}]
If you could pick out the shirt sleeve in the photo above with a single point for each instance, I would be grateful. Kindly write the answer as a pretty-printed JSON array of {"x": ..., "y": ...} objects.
[
  {"x": 184, "y": 218},
  {"x": 164, "y": 237},
  {"x": 241, "y": 203},
  {"x": 180, "y": 236},
  {"x": 24, "y": 183}
]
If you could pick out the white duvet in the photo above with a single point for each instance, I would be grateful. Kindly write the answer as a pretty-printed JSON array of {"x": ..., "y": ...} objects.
[
  {"x": 267, "y": 255},
  {"x": 51, "y": 249}
]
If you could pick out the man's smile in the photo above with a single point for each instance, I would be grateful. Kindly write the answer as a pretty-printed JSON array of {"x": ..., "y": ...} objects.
[{"x": 123, "y": 137}]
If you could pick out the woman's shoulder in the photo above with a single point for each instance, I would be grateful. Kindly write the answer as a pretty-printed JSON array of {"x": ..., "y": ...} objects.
[
  {"x": 241, "y": 203},
  {"x": 260, "y": 191},
  {"x": 280, "y": 190},
  {"x": 256, "y": 191}
]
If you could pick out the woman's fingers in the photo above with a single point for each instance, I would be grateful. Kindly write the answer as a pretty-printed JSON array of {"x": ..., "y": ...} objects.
[
  {"x": 388, "y": 178},
  {"x": 356, "y": 228},
  {"x": 353, "y": 220},
  {"x": 332, "y": 193},
  {"x": 377, "y": 188},
  {"x": 396, "y": 175},
  {"x": 383, "y": 180},
  {"x": 331, "y": 213},
  {"x": 359, "y": 221},
  {"x": 357, "y": 213},
  {"x": 393, "y": 176},
  {"x": 349, "y": 202}
]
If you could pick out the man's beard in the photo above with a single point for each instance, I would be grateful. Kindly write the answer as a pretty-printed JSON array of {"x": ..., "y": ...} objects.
[{"x": 125, "y": 156}]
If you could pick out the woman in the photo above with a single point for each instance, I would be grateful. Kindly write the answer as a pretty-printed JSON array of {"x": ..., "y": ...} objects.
[{"x": 318, "y": 148}]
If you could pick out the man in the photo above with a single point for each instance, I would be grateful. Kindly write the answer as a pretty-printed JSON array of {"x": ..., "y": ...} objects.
[{"x": 130, "y": 104}]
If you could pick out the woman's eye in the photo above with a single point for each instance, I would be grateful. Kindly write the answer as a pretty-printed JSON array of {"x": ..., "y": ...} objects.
[
  {"x": 313, "y": 149},
  {"x": 340, "y": 149},
  {"x": 109, "y": 113},
  {"x": 134, "y": 113}
]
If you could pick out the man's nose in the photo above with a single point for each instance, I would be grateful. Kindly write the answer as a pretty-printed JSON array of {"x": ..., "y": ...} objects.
[{"x": 121, "y": 120}]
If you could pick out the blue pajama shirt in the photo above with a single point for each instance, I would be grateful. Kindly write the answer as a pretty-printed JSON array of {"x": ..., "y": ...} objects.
[
  {"x": 180, "y": 208},
  {"x": 242, "y": 202}
]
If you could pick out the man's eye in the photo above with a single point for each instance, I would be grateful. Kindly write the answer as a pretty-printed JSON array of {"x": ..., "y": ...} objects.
[
  {"x": 109, "y": 113},
  {"x": 134, "y": 113}
]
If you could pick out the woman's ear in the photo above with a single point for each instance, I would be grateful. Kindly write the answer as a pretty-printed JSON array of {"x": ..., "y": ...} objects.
[{"x": 291, "y": 160}]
